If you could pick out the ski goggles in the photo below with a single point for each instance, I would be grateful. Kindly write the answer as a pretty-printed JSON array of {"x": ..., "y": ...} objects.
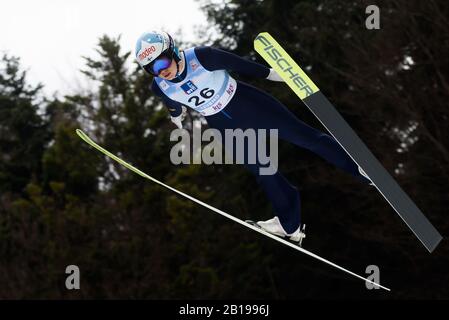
[{"x": 157, "y": 65}]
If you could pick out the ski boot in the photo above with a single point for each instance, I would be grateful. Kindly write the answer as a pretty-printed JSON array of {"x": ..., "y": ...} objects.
[{"x": 274, "y": 226}]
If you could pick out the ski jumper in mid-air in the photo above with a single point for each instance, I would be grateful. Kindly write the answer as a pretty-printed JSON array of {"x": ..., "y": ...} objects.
[{"x": 186, "y": 78}]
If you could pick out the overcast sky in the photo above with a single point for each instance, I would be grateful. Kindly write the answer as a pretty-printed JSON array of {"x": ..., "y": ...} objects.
[{"x": 50, "y": 36}]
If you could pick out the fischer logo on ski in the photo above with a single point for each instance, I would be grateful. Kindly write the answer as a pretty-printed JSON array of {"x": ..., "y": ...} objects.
[{"x": 303, "y": 86}]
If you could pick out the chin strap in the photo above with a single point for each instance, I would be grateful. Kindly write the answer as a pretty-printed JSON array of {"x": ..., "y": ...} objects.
[
  {"x": 177, "y": 60},
  {"x": 177, "y": 69}
]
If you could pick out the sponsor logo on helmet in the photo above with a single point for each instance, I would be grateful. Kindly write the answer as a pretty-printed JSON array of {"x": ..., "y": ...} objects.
[{"x": 147, "y": 52}]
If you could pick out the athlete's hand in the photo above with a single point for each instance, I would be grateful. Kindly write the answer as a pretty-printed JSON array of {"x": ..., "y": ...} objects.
[
  {"x": 274, "y": 76},
  {"x": 178, "y": 120}
]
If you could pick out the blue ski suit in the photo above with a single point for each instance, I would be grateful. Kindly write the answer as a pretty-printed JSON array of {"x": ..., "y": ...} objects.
[{"x": 252, "y": 108}]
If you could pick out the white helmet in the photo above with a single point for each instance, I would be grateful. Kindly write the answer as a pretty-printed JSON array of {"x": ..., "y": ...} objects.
[{"x": 155, "y": 51}]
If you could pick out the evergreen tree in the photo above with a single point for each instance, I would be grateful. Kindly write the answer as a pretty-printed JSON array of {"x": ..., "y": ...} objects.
[{"x": 23, "y": 132}]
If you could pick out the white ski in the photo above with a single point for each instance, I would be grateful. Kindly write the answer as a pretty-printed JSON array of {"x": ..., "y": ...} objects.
[{"x": 241, "y": 222}]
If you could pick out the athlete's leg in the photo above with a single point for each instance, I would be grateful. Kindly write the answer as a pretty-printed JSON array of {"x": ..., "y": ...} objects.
[{"x": 284, "y": 197}]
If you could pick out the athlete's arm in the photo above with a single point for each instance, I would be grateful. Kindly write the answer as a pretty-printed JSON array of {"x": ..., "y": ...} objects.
[
  {"x": 174, "y": 107},
  {"x": 217, "y": 59}
]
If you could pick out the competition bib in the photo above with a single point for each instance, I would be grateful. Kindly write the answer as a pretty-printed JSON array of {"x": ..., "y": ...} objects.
[{"x": 207, "y": 92}]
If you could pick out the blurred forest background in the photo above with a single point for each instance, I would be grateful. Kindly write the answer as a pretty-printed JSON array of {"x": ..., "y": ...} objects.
[{"x": 63, "y": 203}]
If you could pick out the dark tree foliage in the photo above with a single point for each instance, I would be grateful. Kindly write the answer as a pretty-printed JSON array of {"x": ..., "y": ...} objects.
[{"x": 19, "y": 122}]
